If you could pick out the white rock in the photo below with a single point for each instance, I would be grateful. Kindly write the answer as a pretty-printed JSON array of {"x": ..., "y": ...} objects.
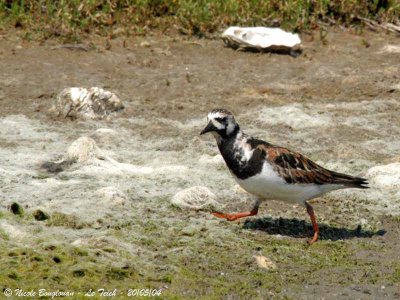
[
  {"x": 261, "y": 38},
  {"x": 196, "y": 197},
  {"x": 145, "y": 44},
  {"x": 105, "y": 131},
  {"x": 104, "y": 135},
  {"x": 390, "y": 49},
  {"x": 82, "y": 149},
  {"x": 78, "y": 242},
  {"x": 386, "y": 177},
  {"x": 265, "y": 263},
  {"x": 112, "y": 195},
  {"x": 90, "y": 103},
  {"x": 13, "y": 232}
]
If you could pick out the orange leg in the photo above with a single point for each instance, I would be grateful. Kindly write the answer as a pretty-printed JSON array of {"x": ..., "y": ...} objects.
[
  {"x": 233, "y": 217},
  {"x": 310, "y": 211}
]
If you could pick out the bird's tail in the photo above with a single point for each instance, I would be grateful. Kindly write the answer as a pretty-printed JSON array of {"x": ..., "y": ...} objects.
[{"x": 350, "y": 181}]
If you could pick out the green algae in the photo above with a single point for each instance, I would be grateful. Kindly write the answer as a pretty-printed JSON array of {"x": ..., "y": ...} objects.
[
  {"x": 66, "y": 220},
  {"x": 193, "y": 258}
]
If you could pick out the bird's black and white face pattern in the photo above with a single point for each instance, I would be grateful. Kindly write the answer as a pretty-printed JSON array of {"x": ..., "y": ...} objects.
[{"x": 221, "y": 124}]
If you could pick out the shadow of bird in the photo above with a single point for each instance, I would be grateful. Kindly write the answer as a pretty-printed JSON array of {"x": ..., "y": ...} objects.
[{"x": 299, "y": 228}]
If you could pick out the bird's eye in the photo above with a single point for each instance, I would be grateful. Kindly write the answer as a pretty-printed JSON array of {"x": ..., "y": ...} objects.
[{"x": 221, "y": 120}]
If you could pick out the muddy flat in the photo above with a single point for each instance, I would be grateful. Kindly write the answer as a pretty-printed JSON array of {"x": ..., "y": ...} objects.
[{"x": 108, "y": 222}]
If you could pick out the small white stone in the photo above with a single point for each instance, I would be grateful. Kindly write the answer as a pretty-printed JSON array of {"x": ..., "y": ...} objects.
[
  {"x": 390, "y": 49},
  {"x": 104, "y": 135},
  {"x": 196, "y": 197},
  {"x": 112, "y": 195},
  {"x": 385, "y": 177},
  {"x": 145, "y": 44},
  {"x": 82, "y": 149},
  {"x": 260, "y": 38},
  {"x": 265, "y": 263},
  {"x": 12, "y": 231},
  {"x": 77, "y": 242}
]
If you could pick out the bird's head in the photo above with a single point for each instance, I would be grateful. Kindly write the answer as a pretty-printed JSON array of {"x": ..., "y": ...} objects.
[{"x": 221, "y": 124}]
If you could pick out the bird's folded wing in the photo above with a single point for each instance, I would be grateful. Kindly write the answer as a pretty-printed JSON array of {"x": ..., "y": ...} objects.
[{"x": 296, "y": 168}]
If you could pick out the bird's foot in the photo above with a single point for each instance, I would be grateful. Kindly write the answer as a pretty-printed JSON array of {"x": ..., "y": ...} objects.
[
  {"x": 229, "y": 217},
  {"x": 233, "y": 217},
  {"x": 314, "y": 239}
]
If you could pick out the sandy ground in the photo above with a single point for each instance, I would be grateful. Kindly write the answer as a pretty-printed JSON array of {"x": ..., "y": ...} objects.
[{"x": 112, "y": 223}]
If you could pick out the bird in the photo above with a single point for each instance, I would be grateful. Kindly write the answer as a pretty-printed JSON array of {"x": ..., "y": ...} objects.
[{"x": 272, "y": 172}]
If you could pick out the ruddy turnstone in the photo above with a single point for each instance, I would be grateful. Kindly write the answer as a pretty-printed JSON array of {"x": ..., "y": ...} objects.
[{"x": 272, "y": 172}]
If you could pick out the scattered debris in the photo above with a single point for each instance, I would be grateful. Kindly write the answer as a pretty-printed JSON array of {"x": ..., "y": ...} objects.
[
  {"x": 161, "y": 51},
  {"x": 56, "y": 167},
  {"x": 80, "y": 47},
  {"x": 373, "y": 25},
  {"x": 145, "y": 44},
  {"x": 66, "y": 220},
  {"x": 323, "y": 36},
  {"x": 262, "y": 39},
  {"x": 196, "y": 197},
  {"x": 188, "y": 80},
  {"x": 79, "y": 273},
  {"x": 16, "y": 209},
  {"x": 108, "y": 45},
  {"x": 365, "y": 43},
  {"x": 93, "y": 103},
  {"x": 40, "y": 215},
  {"x": 265, "y": 263}
]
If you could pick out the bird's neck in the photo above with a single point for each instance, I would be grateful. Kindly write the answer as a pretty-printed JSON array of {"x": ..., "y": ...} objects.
[
  {"x": 226, "y": 140},
  {"x": 231, "y": 146}
]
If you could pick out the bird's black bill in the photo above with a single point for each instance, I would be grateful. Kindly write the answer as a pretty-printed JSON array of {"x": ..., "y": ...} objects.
[{"x": 210, "y": 127}]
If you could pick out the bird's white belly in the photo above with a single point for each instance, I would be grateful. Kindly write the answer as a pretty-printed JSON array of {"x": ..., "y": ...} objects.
[{"x": 269, "y": 185}]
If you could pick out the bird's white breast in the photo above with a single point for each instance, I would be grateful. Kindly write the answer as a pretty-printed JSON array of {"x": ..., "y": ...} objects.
[{"x": 269, "y": 185}]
